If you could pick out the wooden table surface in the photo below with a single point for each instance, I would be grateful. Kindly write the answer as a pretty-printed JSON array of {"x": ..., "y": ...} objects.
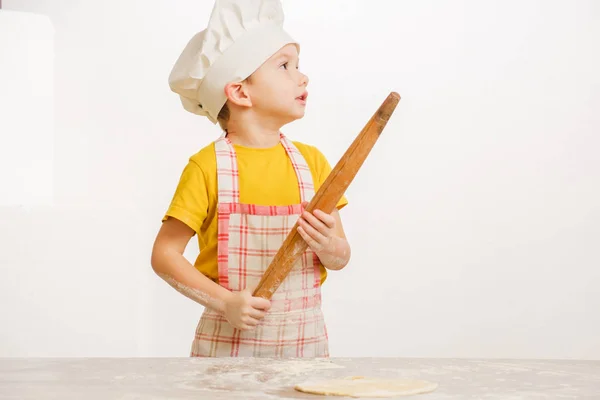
[{"x": 236, "y": 378}]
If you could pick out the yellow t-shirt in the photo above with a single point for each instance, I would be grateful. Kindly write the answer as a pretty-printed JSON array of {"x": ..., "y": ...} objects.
[{"x": 267, "y": 177}]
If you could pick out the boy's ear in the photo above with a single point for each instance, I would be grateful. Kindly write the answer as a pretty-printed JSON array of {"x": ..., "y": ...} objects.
[{"x": 237, "y": 93}]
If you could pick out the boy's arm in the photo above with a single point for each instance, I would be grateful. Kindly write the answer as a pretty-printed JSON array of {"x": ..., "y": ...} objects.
[
  {"x": 169, "y": 263},
  {"x": 241, "y": 309},
  {"x": 325, "y": 235}
]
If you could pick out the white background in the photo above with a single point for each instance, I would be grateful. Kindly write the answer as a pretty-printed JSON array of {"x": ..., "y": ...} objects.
[{"x": 474, "y": 223}]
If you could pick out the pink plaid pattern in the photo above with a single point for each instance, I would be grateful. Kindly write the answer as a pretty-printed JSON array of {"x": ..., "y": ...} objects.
[
  {"x": 305, "y": 181},
  {"x": 227, "y": 172},
  {"x": 249, "y": 236}
]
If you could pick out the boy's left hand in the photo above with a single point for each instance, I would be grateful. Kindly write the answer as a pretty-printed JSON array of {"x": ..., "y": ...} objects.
[
  {"x": 319, "y": 231},
  {"x": 316, "y": 229}
]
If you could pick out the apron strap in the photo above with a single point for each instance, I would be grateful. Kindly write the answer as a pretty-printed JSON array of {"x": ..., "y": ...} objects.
[
  {"x": 305, "y": 180},
  {"x": 228, "y": 174}
]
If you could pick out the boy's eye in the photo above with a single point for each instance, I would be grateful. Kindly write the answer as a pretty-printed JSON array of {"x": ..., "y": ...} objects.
[{"x": 284, "y": 65}]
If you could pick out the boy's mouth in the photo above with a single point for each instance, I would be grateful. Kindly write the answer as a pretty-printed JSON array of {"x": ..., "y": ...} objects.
[{"x": 302, "y": 98}]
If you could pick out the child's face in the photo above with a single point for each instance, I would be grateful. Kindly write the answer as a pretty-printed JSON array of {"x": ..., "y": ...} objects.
[{"x": 278, "y": 89}]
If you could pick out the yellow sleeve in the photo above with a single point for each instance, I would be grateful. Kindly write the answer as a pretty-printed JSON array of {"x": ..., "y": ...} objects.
[
  {"x": 190, "y": 201},
  {"x": 323, "y": 171}
]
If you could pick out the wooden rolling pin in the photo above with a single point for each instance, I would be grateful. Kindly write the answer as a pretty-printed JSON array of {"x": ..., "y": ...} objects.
[{"x": 327, "y": 197}]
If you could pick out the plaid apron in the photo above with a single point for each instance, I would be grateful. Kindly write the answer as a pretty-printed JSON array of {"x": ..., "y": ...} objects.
[{"x": 249, "y": 236}]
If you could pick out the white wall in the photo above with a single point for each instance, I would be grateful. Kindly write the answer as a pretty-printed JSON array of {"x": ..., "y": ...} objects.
[
  {"x": 26, "y": 108},
  {"x": 475, "y": 222}
]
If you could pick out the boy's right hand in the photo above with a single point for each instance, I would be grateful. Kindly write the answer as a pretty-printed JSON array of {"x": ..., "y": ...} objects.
[{"x": 243, "y": 311}]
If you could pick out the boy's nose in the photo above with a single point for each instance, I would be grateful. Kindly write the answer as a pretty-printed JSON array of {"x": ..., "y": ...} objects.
[{"x": 303, "y": 80}]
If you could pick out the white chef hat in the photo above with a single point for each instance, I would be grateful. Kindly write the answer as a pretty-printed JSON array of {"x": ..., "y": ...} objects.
[{"x": 241, "y": 35}]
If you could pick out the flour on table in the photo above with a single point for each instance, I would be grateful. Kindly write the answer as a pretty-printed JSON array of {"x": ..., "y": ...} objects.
[
  {"x": 359, "y": 386},
  {"x": 254, "y": 374}
]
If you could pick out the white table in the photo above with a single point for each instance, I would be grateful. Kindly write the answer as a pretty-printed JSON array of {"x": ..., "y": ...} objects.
[{"x": 200, "y": 379}]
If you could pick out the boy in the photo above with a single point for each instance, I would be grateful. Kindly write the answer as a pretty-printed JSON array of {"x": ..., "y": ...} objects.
[{"x": 243, "y": 193}]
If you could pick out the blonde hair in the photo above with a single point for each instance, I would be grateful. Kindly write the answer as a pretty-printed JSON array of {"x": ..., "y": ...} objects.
[{"x": 223, "y": 117}]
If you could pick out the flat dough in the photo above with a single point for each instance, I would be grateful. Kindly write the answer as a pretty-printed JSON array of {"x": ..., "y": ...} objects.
[{"x": 360, "y": 386}]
